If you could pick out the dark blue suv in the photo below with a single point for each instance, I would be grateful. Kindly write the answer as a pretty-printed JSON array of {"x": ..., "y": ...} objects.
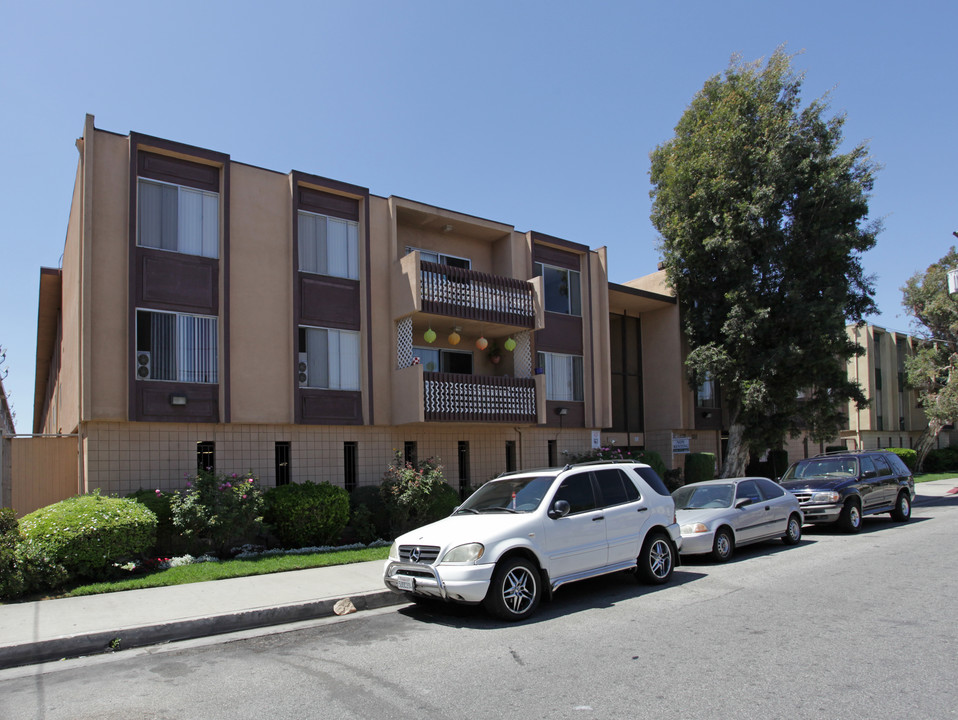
[{"x": 844, "y": 487}]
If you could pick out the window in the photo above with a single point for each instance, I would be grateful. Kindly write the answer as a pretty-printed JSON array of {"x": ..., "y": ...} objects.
[
  {"x": 510, "y": 455},
  {"x": 282, "y": 462},
  {"x": 769, "y": 489},
  {"x": 449, "y": 361},
  {"x": 328, "y": 245},
  {"x": 206, "y": 456},
  {"x": 563, "y": 291},
  {"x": 563, "y": 376},
  {"x": 705, "y": 395},
  {"x": 329, "y": 359},
  {"x": 350, "y": 464},
  {"x": 178, "y": 218},
  {"x": 577, "y": 491},
  {"x": 176, "y": 346},
  {"x": 464, "y": 472},
  {"x": 748, "y": 489},
  {"x": 441, "y": 259},
  {"x": 410, "y": 452},
  {"x": 614, "y": 487},
  {"x": 553, "y": 449}
]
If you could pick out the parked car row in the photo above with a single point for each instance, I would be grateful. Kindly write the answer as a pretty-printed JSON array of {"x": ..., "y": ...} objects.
[{"x": 520, "y": 537}]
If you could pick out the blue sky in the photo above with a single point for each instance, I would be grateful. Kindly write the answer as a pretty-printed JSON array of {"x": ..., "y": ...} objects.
[{"x": 536, "y": 114}]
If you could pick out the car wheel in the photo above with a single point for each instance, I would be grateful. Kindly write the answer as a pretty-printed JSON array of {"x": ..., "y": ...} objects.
[
  {"x": 851, "y": 518},
  {"x": 657, "y": 559},
  {"x": 515, "y": 591},
  {"x": 723, "y": 546},
  {"x": 793, "y": 533},
  {"x": 902, "y": 511}
]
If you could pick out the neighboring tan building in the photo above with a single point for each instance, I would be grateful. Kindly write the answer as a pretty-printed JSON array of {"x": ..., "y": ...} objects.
[
  {"x": 894, "y": 417},
  {"x": 209, "y": 313}
]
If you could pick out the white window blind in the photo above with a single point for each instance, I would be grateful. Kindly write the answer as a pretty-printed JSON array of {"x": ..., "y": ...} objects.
[
  {"x": 563, "y": 376},
  {"x": 328, "y": 246},
  {"x": 177, "y": 218},
  {"x": 332, "y": 359},
  {"x": 182, "y": 348}
]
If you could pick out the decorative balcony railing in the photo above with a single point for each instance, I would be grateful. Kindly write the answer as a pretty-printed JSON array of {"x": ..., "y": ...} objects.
[
  {"x": 472, "y": 398},
  {"x": 471, "y": 295}
]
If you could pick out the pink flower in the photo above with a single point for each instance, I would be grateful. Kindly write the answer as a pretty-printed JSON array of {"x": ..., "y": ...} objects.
[
  {"x": 189, "y": 484},
  {"x": 244, "y": 497},
  {"x": 158, "y": 492}
]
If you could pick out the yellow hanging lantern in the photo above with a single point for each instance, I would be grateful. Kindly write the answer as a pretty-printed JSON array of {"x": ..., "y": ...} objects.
[{"x": 454, "y": 338}]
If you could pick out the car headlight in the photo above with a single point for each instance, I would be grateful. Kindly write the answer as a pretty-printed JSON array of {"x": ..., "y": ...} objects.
[
  {"x": 694, "y": 528},
  {"x": 464, "y": 553},
  {"x": 394, "y": 551},
  {"x": 824, "y": 497}
]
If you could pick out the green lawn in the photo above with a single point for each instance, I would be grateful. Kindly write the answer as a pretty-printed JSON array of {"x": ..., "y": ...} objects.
[
  {"x": 928, "y": 477},
  {"x": 203, "y": 572}
]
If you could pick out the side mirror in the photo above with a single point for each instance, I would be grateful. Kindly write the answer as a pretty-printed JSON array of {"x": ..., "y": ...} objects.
[
  {"x": 743, "y": 502},
  {"x": 560, "y": 509}
]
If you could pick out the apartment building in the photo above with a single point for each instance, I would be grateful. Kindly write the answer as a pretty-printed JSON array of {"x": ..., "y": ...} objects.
[{"x": 209, "y": 313}]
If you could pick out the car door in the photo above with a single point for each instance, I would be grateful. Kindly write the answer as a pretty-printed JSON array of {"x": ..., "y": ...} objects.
[
  {"x": 869, "y": 484},
  {"x": 576, "y": 542},
  {"x": 751, "y": 520},
  {"x": 776, "y": 498},
  {"x": 626, "y": 514},
  {"x": 887, "y": 480}
]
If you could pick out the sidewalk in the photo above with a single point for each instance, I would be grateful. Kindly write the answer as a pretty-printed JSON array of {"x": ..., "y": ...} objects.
[{"x": 36, "y": 632}]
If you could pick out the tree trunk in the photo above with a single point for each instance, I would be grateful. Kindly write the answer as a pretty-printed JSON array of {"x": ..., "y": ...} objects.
[
  {"x": 927, "y": 440},
  {"x": 736, "y": 456}
]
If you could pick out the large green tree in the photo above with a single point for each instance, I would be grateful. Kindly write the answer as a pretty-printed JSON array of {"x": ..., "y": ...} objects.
[
  {"x": 763, "y": 221},
  {"x": 933, "y": 369}
]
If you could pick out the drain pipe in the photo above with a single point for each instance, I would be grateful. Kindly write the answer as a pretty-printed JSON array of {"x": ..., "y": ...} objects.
[{"x": 519, "y": 448}]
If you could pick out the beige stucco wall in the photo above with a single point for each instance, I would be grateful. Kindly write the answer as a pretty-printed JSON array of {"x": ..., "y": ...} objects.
[
  {"x": 261, "y": 343},
  {"x": 381, "y": 318},
  {"x": 107, "y": 264},
  {"x": 597, "y": 355}
]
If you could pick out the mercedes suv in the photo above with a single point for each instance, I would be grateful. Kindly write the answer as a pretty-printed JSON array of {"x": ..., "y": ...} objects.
[
  {"x": 522, "y": 535},
  {"x": 842, "y": 488}
]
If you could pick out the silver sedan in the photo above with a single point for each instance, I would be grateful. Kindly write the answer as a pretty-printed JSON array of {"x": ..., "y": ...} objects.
[{"x": 717, "y": 515}]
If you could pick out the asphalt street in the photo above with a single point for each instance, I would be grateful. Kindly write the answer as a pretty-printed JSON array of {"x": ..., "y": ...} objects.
[{"x": 838, "y": 626}]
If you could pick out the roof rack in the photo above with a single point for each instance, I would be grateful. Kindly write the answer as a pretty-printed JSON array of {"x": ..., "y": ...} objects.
[{"x": 569, "y": 466}]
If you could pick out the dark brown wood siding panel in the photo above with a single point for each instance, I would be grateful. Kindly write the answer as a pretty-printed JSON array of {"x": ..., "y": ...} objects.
[
  {"x": 153, "y": 401},
  {"x": 555, "y": 257},
  {"x": 176, "y": 170},
  {"x": 328, "y": 204},
  {"x": 562, "y": 334},
  {"x": 330, "y": 407},
  {"x": 574, "y": 417},
  {"x": 708, "y": 418},
  {"x": 173, "y": 281},
  {"x": 329, "y": 302}
]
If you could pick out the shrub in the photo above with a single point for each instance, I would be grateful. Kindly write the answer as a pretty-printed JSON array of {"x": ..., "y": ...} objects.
[
  {"x": 673, "y": 479},
  {"x": 907, "y": 455},
  {"x": 941, "y": 460},
  {"x": 306, "y": 514},
  {"x": 699, "y": 467},
  {"x": 13, "y": 583},
  {"x": 649, "y": 457},
  {"x": 408, "y": 491},
  {"x": 84, "y": 535},
  {"x": 778, "y": 462},
  {"x": 368, "y": 514},
  {"x": 169, "y": 542},
  {"x": 442, "y": 502},
  {"x": 216, "y": 513}
]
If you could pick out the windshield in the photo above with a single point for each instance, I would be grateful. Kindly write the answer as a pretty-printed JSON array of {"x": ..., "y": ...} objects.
[
  {"x": 508, "y": 495},
  {"x": 693, "y": 497},
  {"x": 822, "y": 467}
]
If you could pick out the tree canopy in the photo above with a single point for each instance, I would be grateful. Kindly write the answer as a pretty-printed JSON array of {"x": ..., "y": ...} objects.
[
  {"x": 933, "y": 369},
  {"x": 762, "y": 222}
]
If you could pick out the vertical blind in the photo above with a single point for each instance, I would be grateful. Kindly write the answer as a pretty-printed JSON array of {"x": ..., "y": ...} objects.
[
  {"x": 328, "y": 246},
  {"x": 563, "y": 376},
  {"x": 172, "y": 217},
  {"x": 332, "y": 359},
  {"x": 182, "y": 348}
]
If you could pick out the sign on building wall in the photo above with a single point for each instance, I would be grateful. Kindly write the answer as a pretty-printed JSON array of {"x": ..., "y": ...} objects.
[
  {"x": 596, "y": 439},
  {"x": 680, "y": 445}
]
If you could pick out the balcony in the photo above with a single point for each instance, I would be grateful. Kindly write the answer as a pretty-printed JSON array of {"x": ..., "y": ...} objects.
[
  {"x": 471, "y": 296},
  {"x": 420, "y": 396}
]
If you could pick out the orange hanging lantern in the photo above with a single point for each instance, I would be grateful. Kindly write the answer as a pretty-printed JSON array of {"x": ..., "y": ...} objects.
[{"x": 482, "y": 343}]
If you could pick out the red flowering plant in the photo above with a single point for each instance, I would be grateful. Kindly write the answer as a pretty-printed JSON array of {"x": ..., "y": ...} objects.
[
  {"x": 410, "y": 491},
  {"x": 217, "y": 512}
]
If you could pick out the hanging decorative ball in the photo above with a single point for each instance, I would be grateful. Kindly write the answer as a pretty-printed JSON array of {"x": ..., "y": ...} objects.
[
  {"x": 429, "y": 336},
  {"x": 510, "y": 344},
  {"x": 454, "y": 338},
  {"x": 482, "y": 343}
]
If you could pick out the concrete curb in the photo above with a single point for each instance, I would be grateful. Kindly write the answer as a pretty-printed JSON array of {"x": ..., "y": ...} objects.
[{"x": 72, "y": 646}]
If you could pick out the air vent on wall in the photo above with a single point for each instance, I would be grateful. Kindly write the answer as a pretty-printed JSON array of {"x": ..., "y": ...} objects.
[
  {"x": 302, "y": 370},
  {"x": 143, "y": 365}
]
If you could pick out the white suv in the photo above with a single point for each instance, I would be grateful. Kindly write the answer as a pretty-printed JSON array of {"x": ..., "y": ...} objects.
[{"x": 526, "y": 533}]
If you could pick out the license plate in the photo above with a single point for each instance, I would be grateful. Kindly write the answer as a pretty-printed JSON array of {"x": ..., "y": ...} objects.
[{"x": 405, "y": 582}]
